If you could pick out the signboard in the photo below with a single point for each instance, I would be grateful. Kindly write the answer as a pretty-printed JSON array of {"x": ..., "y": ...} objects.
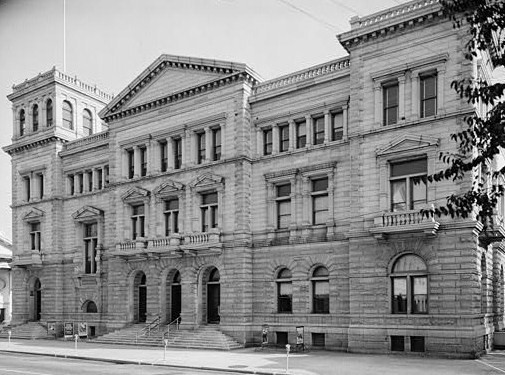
[
  {"x": 82, "y": 329},
  {"x": 51, "y": 328},
  {"x": 299, "y": 335},
  {"x": 68, "y": 329}
]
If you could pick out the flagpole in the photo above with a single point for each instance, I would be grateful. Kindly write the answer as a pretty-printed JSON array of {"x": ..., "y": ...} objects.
[{"x": 64, "y": 40}]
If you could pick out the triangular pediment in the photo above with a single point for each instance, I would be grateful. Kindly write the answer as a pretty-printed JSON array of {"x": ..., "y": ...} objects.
[
  {"x": 407, "y": 143},
  {"x": 207, "y": 179},
  {"x": 168, "y": 188},
  {"x": 33, "y": 215},
  {"x": 135, "y": 194},
  {"x": 87, "y": 213},
  {"x": 169, "y": 75}
]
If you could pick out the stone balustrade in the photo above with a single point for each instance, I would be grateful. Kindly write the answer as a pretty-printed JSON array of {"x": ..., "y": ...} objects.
[
  {"x": 87, "y": 140},
  {"x": 404, "y": 221}
]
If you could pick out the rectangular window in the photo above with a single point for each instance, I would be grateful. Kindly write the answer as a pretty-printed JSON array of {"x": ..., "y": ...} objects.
[
  {"x": 301, "y": 134},
  {"x": 285, "y": 297},
  {"x": 71, "y": 186},
  {"x": 90, "y": 180},
  {"x": 283, "y": 201},
  {"x": 200, "y": 138},
  {"x": 337, "y": 126},
  {"x": 131, "y": 163},
  {"x": 209, "y": 211},
  {"x": 27, "y": 187},
  {"x": 397, "y": 343},
  {"x": 428, "y": 85},
  {"x": 318, "y": 131},
  {"x": 390, "y": 99},
  {"x": 216, "y": 144},
  {"x": 267, "y": 142},
  {"x": 143, "y": 161},
  {"x": 99, "y": 178},
  {"x": 408, "y": 185},
  {"x": 318, "y": 340},
  {"x": 283, "y": 138},
  {"x": 40, "y": 176},
  {"x": 80, "y": 182},
  {"x": 90, "y": 243},
  {"x": 177, "y": 150},
  {"x": 35, "y": 236},
  {"x": 419, "y": 294},
  {"x": 399, "y": 295},
  {"x": 321, "y": 297},
  {"x": 171, "y": 216},
  {"x": 138, "y": 221},
  {"x": 282, "y": 338},
  {"x": 106, "y": 175},
  {"x": 163, "y": 156},
  {"x": 417, "y": 344},
  {"x": 319, "y": 201}
]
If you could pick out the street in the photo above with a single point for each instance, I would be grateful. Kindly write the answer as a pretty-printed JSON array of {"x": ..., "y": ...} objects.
[{"x": 13, "y": 363}]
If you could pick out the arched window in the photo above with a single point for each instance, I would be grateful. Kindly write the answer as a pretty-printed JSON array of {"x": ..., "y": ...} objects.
[
  {"x": 67, "y": 115},
  {"x": 177, "y": 278},
  {"x": 409, "y": 282},
  {"x": 49, "y": 113},
  {"x": 91, "y": 307},
  {"x": 22, "y": 122},
  {"x": 320, "y": 291},
  {"x": 35, "y": 117},
  {"x": 87, "y": 122},
  {"x": 284, "y": 291},
  {"x": 214, "y": 275}
]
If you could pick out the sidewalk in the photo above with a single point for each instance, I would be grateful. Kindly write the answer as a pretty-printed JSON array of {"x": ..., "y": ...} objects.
[{"x": 249, "y": 361}]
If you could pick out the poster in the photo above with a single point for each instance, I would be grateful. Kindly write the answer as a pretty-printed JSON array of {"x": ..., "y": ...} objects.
[
  {"x": 68, "y": 329},
  {"x": 299, "y": 335},
  {"x": 82, "y": 329},
  {"x": 51, "y": 328}
]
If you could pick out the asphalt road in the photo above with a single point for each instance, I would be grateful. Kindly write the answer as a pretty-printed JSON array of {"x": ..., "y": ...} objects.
[{"x": 15, "y": 364}]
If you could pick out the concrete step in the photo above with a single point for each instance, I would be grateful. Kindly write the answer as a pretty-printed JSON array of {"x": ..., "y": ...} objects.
[{"x": 29, "y": 331}]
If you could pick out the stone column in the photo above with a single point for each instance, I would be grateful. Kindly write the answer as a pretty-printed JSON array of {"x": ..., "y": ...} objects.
[
  {"x": 184, "y": 145},
  {"x": 259, "y": 141},
  {"x": 149, "y": 157},
  {"x": 292, "y": 135},
  {"x": 378, "y": 103},
  {"x": 401, "y": 98},
  {"x": 327, "y": 126},
  {"x": 345, "y": 110},
  {"x": 34, "y": 186},
  {"x": 208, "y": 144},
  {"x": 76, "y": 183},
  {"x": 307, "y": 207},
  {"x": 308, "y": 129},
  {"x": 275, "y": 139},
  {"x": 85, "y": 181},
  {"x": 440, "y": 90},
  {"x": 415, "y": 96},
  {"x": 170, "y": 153},
  {"x": 136, "y": 161}
]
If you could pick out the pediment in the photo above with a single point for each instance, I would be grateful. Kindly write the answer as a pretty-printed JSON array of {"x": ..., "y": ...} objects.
[
  {"x": 33, "y": 215},
  {"x": 135, "y": 194},
  {"x": 168, "y": 188},
  {"x": 168, "y": 75},
  {"x": 207, "y": 180},
  {"x": 87, "y": 213},
  {"x": 407, "y": 143}
]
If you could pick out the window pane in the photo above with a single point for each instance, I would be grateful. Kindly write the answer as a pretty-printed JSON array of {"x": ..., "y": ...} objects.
[
  {"x": 399, "y": 295},
  {"x": 320, "y": 203},
  {"x": 419, "y": 294},
  {"x": 318, "y": 131},
  {"x": 301, "y": 135},
  {"x": 321, "y": 287},
  {"x": 429, "y": 86},
  {"x": 430, "y": 107},
  {"x": 409, "y": 167},
  {"x": 398, "y": 195},
  {"x": 409, "y": 263},
  {"x": 283, "y": 190},
  {"x": 337, "y": 126},
  {"x": 285, "y": 289},
  {"x": 209, "y": 198},
  {"x": 418, "y": 192},
  {"x": 172, "y": 204},
  {"x": 320, "y": 217},
  {"x": 320, "y": 184}
]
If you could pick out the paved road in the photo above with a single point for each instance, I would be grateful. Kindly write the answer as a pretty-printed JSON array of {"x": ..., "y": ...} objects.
[{"x": 16, "y": 364}]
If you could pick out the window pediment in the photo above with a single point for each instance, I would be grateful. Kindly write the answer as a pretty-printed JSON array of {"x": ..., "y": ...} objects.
[
  {"x": 33, "y": 215},
  {"x": 87, "y": 213},
  {"x": 207, "y": 180},
  {"x": 135, "y": 194},
  {"x": 168, "y": 188},
  {"x": 407, "y": 143}
]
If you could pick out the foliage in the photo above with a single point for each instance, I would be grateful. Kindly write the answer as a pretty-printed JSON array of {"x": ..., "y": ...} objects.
[{"x": 483, "y": 136}]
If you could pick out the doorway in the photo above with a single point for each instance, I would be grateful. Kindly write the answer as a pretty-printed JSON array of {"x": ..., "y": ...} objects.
[
  {"x": 139, "y": 298},
  {"x": 36, "y": 294},
  {"x": 213, "y": 297},
  {"x": 176, "y": 297}
]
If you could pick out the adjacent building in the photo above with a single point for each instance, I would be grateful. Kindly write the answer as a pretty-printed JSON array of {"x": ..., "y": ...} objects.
[
  {"x": 5, "y": 280},
  {"x": 203, "y": 192}
]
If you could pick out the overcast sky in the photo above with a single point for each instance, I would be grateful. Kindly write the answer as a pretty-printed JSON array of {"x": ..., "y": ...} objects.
[{"x": 109, "y": 42}]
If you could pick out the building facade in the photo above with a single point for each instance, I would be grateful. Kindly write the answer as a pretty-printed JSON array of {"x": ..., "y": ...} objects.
[
  {"x": 5, "y": 280},
  {"x": 202, "y": 192}
]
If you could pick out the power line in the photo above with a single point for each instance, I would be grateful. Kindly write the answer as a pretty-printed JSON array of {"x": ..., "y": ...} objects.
[
  {"x": 317, "y": 19},
  {"x": 339, "y": 4}
]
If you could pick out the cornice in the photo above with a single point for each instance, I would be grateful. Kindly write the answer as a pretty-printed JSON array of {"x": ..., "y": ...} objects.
[
  {"x": 389, "y": 21},
  {"x": 19, "y": 147}
]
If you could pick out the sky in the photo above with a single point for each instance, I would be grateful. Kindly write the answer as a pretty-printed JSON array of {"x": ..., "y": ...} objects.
[{"x": 110, "y": 42}]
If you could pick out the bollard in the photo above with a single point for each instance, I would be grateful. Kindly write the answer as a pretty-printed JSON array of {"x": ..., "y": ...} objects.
[
  {"x": 288, "y": 347},
  {"x": 165, "y": 352},
  {"x": 9, "y": 332},
  {"x": 76, "y": 338}
]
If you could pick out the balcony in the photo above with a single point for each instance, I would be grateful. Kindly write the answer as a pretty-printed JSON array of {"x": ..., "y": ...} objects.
[
  {"x": 29, "y": 258},
  {"x": 194, "y": 243},
  {"x": 403, "y": 222}
]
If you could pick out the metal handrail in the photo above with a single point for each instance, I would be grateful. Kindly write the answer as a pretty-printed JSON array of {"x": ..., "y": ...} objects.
[
  {"x": 146, "y": 331},
  {"x": 174, "y": 323}
]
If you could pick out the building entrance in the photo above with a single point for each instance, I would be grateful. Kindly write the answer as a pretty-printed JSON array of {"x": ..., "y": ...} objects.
[
  {"x": 176, "y": 297},
  {"x": 213, "y": 297}
]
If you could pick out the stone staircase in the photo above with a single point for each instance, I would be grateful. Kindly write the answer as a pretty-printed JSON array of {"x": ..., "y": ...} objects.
[
  {"x": 28, "y": 331},
  {"x": 205, "y": 337}
]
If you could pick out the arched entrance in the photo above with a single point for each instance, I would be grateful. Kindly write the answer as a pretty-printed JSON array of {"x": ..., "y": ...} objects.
[
  {"x": 140, "y": 298},
  {"x": 175, "y": 303},
  {"x": 36, "y": 300},
  {"x": 213, "y": 296}
]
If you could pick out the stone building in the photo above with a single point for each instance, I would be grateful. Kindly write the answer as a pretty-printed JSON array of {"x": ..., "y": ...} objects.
[{"x": 201, "y": 191}]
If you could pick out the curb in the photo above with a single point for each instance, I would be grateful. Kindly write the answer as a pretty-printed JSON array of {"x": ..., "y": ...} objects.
[{"x": 140, "y": 363}]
